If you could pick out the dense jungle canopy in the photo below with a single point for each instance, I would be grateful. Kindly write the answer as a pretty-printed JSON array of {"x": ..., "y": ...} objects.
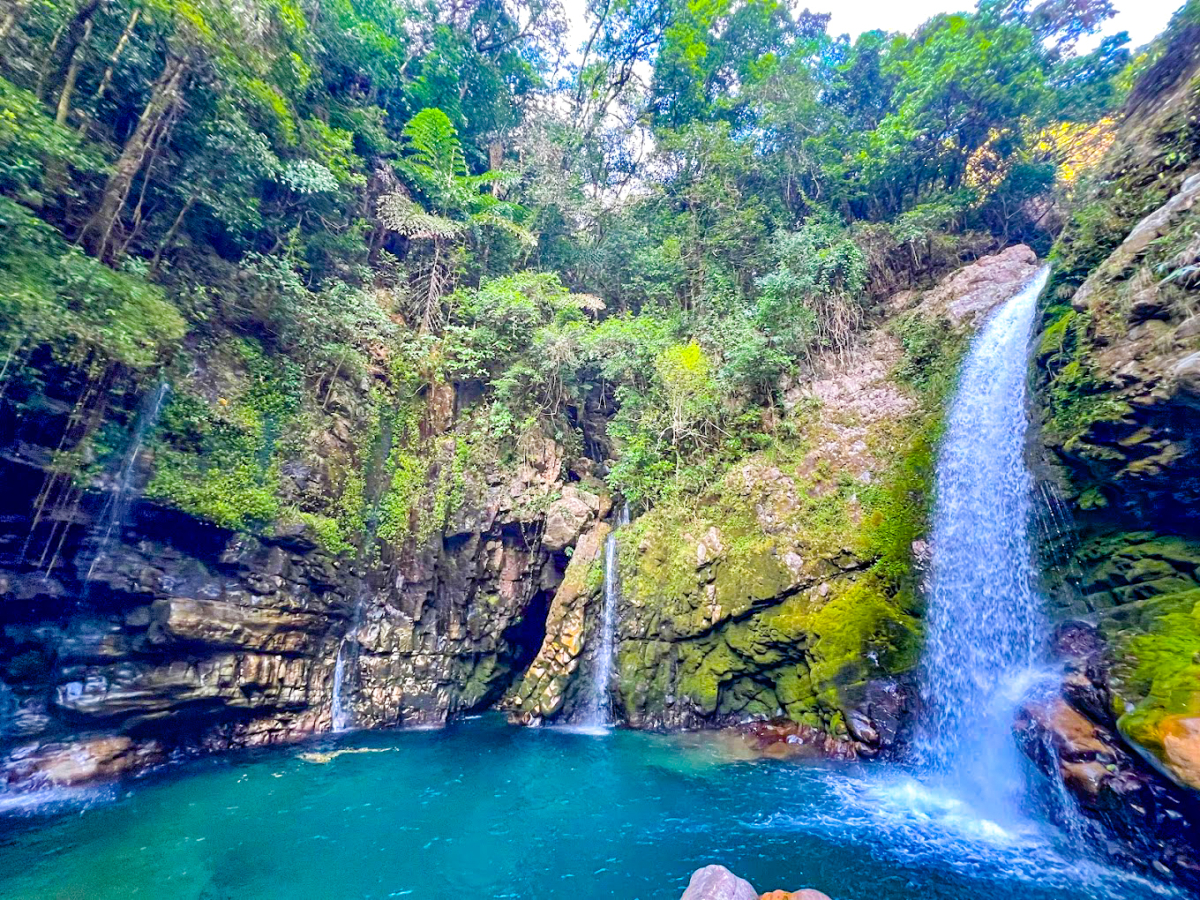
[{"x": 666, "y": 222}]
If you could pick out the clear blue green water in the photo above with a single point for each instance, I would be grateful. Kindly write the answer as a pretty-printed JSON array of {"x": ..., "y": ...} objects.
[{"x": 485, "y": 810}]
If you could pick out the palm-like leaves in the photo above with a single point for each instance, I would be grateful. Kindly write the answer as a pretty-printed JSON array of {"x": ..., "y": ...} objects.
[
  {"x": 400, "y": 213},
  {"x": 460, "y": 202}
]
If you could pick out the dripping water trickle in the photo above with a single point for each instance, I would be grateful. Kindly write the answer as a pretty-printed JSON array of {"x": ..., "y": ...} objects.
[{"x": 124, "y": 487}]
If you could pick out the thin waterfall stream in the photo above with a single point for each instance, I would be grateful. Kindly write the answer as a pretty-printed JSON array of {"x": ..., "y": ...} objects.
[
  {"x": 341, "y": 702},
  {"x": 124, "y": 487},
  {"x": 599, "y": 710}
]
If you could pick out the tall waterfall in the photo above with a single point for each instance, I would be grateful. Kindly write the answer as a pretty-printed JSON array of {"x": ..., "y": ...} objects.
[
  {"x": 985, "y": 620},
  {"x": 599, "y": 708}
]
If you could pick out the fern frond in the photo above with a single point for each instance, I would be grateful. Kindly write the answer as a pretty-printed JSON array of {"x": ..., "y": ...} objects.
[
  {"x": 433, "y": 143},
  {"x": 491, "y": 218},
  {"x": 492, "y": 177},
  {"x": 403, "y": 215}
]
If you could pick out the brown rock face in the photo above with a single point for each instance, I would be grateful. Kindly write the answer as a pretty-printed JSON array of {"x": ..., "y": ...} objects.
[
  {"x": 81, "y": 762},
  {"x": 975, "y": 290},
  {"x": 1181, "y": 745},
  {"x": 210, "y": 640},
  {"x": 1073, "y": 737}
]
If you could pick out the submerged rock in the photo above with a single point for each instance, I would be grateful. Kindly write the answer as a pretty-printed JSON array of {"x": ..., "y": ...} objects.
[{"x": 784, "y": 739}]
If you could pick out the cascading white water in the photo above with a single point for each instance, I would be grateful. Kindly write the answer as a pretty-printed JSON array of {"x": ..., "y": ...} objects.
[
  {"x": 341, "y": 701},
  {"x": 599, "y": 709},
  {"x": 339, "y": 712},
  {"x": 985, "y": 625}
]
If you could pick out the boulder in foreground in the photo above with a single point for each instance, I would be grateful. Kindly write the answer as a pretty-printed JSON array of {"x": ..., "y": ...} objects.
[{"x": 718, "y": 883}]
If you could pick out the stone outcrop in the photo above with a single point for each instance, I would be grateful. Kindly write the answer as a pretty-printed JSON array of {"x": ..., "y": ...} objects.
[
  {"x": 973, "y": 291},
  {"x": 718, "y": 883},
  {"x": 541, "y": 693}
]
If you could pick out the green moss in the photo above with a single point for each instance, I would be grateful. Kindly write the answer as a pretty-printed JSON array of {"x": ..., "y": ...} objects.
[
  {"x": 219, "y": 460},
  {"x": 862, "y": 631},
  {"x": 1158, "y": 666},
  {"x": 328, "y": 532}
]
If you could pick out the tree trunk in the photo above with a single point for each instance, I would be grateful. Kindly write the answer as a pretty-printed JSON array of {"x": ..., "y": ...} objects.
[
  {"x": 73, "y": 34},
  {"x": 116, "y": 54},
  {"x": 98, "y": 233},
  {"x": 9, "y": 22},
  {"x": 64, "y": 99},
  {"x": 173, "y": 230}
]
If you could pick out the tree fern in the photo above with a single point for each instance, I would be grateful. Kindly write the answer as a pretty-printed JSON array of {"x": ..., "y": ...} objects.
[
  {"x": 435, "y": 155},
  {"x": 400, "y": 213}
]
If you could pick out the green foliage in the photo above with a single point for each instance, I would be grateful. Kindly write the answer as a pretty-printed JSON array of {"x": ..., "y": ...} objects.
[
  {"x": 814, "y": 298},
  {"x": 219, "y": 459},
  {"x": 54, "y": 295},
  {"x": 30, "y": 142},
  {"x": 391, "y": 200}
]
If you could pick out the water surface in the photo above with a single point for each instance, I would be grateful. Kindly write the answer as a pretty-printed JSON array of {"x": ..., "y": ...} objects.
[{"x": 482, "y": 809}]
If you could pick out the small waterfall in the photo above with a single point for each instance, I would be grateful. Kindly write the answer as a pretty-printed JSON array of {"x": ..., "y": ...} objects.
[
  {"x": 599, "y": 708},
  {"x": 341, "y": 703},
  {"x": 123, "y": 490},
  {"x": 340, "y": 715},
  {"x": 985, "y": 624}
]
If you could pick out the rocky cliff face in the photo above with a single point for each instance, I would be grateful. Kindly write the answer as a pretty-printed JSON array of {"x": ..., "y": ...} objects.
[
  {"x": 135, "y": 629},
  {"x": 791, "y": 589},
  {"x": 1118, "y": 362},
  {"x": 128, "y": 641}
]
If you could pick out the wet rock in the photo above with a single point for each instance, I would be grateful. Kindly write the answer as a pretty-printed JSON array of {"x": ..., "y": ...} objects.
[
  {"x": 718, "y": 883},
  {"x": 568, "y": 516},
  {"x": 806, "y": 894},
  {"x": 81, "y": 762},
  {"x": 543, "y": 688},
  {"x": 1072, "y": 736},
  {"x": 1135, "y": 815}
]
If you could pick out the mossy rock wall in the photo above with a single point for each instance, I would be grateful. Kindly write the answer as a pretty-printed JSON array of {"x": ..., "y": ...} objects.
[{"x": 1118, "y": 387}]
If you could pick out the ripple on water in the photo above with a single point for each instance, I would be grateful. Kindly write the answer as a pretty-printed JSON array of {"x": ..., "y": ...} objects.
[
  {"x": 484, "y": 809},
  {"x": 913, "y": 822}
]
